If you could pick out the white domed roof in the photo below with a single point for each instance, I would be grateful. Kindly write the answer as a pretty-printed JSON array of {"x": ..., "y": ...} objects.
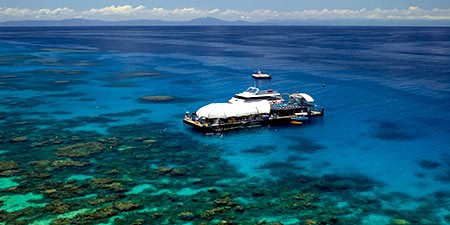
[{"x": 226, "y": 110}]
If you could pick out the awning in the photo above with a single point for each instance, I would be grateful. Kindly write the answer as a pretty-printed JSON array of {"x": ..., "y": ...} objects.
[
  {"x": 305, "y": 96},
  {"x": 226, "y": 110}
]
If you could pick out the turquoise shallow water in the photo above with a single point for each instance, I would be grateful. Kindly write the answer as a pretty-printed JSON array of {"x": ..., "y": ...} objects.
[{"x": 75, "y": 134}]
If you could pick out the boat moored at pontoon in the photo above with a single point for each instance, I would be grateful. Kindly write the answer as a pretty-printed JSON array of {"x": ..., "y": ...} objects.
[{"x": 254, "y": 94}]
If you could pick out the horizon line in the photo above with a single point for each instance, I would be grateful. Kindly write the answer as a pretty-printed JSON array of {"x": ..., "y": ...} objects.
[{"x": 212, "y": 21}]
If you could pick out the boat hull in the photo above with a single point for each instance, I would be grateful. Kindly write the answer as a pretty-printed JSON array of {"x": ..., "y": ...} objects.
[
  {"x": 261, "y": 77},
  {"x": 278, "y": 120},
  {"x": 225, "y": 127}
]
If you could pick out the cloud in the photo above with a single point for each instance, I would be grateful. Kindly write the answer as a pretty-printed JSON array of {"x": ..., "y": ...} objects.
[
  {"x": 116, "y": 10},
  {"x": 125, "y": 12},
  {"x": 142, "y": 12},
  {"x": 18, "y": 13}
]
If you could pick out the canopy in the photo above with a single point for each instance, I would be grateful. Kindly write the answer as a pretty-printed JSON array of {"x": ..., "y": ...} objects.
[
  {"x": 305, "y": 96},
  {"x": 226, "y": 110}
]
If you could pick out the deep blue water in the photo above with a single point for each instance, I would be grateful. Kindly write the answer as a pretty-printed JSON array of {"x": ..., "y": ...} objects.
[{"x": 386, "y": 92}]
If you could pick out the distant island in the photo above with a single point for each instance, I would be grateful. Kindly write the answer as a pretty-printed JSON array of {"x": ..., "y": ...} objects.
[{"x": 210, "y": 21}]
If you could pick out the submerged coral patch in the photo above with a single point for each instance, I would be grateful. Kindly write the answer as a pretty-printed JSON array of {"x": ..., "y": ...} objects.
[
  {"x": 49, "y": 165},
  {"x": 8, "y": 165},
  {"x": 156, "y": 99},
  {"x": 69, "y": 50},
  {"x": 86, "y": 99},
  {"x": 121, "y": 85},
  {"x": 138, "y": 75},
  {"x": 61, "y": 218},
  {"x": 81, "y": 149},
  {"x": 350, "y": 182},
  {"x": 16, "y": 59},
  {"x": 59, "y": 72},
  {"x": 392, "y": 131},
  {"x": 61, "y": 112},
  {"x": 151, "y": 99},
  {"x": 66, "y": 95},
  {"x": 24, "y": 102},
  {"x": 183, "y": 82},
  {"x": 165, "y": 175},
  {"x": 280, "y": 165},
  {"x": 263, "y": 149},
  {"x": 281, "y": 170},
  {"x": 130, "y": 113},
  {"x": 428, "y": 164},
  {"x": 305, "y": 145},
  {"x": 444, "y": 176},
  {"x": 91, "y": 119}
]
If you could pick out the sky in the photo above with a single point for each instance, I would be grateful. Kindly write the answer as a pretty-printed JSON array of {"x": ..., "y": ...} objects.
[{"x": 249, "y": 10}]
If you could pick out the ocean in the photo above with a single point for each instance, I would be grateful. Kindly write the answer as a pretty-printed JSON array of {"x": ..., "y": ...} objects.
[{"x": 79, "y": 143}]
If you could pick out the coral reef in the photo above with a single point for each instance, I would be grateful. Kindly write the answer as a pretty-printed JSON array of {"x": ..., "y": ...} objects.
[
  {"x": 50, "y": 165},
  {"x": 78, "y": 145},
  {"x": 392, "y": 131},
  {"x": 127, "y": 206},
  {"x": 140, "y": 174},
  {"x": 427, "y": 164},
  {"x": 186, "y": 216},
  {"x": 156, "y": 99},
  {"x": 80, "y": 149},
  {"x": 305, "y": 145},
  {"x": 58, "y": 207},
  {"x": 108, "y": 183},
  {"x": 8, "y": 165},
  {"x": 18, "y": 139},
  {"x": 397, "y": 221}
]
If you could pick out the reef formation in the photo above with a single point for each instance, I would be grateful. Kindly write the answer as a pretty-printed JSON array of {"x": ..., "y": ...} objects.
[{"x": 142, "y": 174}]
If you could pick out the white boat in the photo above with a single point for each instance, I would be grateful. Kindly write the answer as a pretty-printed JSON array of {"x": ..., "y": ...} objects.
[
  {"x": 254, "y": 94},
  {"x": 218, "y": 117},
  {"x": 260, "y": 75}
]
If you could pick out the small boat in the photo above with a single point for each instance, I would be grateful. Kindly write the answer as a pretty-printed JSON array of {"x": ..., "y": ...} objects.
[
  {"x": 254, "y": 94},
  {"x": 260, "y": 75},
  {"x": 299, "y": 118},
  {"x": 296, "y": 122}
]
